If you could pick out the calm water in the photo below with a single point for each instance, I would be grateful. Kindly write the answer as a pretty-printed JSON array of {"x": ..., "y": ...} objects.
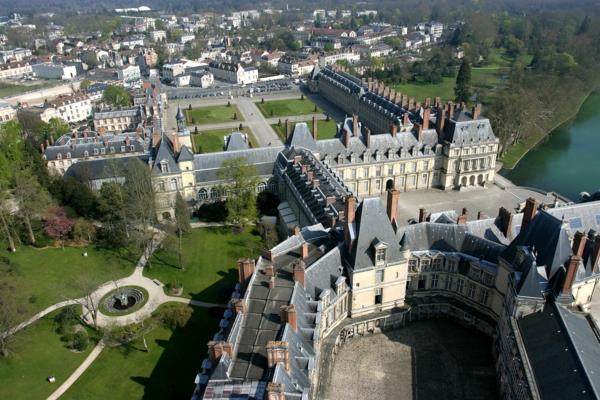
[{"x": 568, "y": 162}]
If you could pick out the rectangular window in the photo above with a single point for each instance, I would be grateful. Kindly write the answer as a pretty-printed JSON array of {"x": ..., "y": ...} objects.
[
  {"x": 437, "y": 264},
  {"x": 413, "y": 180},
  {"x": 377, "y": 184},
  {"x": 391, "y": 170},
  {"x": 460, "y": 285},
  {"x": 366, "y": 186},
  {"x": 471, "y": 291},
  {"x": 379, "y": 275},
  {"x": 378, "y": 296},
  {"x": 378, "y": 171},
  {"x": 434, "y": 281},
  {"x": 365, "y": 172},
  {"x": 421, "y": 282},
  {"x": 380, "y": 255},
  {"x": 448, "y": 283},
  {"x": 353, "y": 174},
  {"x": 425, "y": 165},
  {"x": 402, "y": 168},
  {"x": 483, "y": 296},
  {"x": 424, "y": 179}
]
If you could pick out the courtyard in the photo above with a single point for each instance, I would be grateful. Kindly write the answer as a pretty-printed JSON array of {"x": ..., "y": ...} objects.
[
  {"x": 212, "y": 115},
  {"x": 325, "y": 129},
  {"x": 284, "y": 108},
  {"x": 426, "y": 360}
]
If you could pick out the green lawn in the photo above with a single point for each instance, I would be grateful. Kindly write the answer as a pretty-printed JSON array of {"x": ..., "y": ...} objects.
[
  {"x": 167, "y": 371},
  {"x": 284, "y": 108},
  {"x": 210, "y": 259},
  {"x": 37, "y": 353},
  {"x": 325, "y": 129},
  {"x": 212, "y": 115},
  {"x": 211, "y": 141},
  {"x": 52, "y": 275},
  {"x": 9, "y": 89}
]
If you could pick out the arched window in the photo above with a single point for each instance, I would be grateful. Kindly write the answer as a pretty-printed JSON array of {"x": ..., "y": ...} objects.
[
  {"x": 261, "y": 187},
  {"x": 161, "y": 186},
  {"x": 214, "y": 194},
  {"x": 202, "y": 194}
]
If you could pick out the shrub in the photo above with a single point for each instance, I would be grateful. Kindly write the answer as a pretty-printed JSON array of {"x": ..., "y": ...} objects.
[
  {"x": 175, "y": 316},
  {"x": 302, "y": 97},
  {"x": 32, "y": 299},
  {"x": 235, "y": 116},
  {"x": 80, "y": 340},
  {"x": 228, "y": 104},
  {"x": 241, "y": 127}
]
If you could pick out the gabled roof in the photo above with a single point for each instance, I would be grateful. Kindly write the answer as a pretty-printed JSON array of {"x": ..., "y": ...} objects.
[
  {"x": 185, "y": 154},
  {"x": 302, "y": 137},
  {"x": 547, "y": 238},
  {"x": 371, "y": 224},
  {"x": 165, "y": 154},
  {"x": 236, "y": 141}
]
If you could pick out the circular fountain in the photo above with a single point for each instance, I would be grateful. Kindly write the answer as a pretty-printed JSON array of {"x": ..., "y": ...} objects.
[{"x": 123, "y": 300}]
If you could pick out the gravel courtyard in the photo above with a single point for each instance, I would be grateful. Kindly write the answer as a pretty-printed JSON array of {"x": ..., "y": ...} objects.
[{"x": 427, "y": 360}]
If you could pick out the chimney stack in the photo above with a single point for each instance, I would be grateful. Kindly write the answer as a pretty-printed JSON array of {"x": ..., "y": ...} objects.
[
  {"x": 426, "y": 114},
  {"x": 394, "y": 130},
  {"x": 450, "y": 110},
  {"x": 346, "y": 138},
  {"x": 367, "y": 137},
  {"x": 480, "y": 215},
  {"x": 350, "y": 209},
  {"x": 304, "y": 250},
  {"x": 579, "y": 241},
  {"x": 245, "y": 270},
  {"x": 288, "y": 314},
  {"x": 596, "y": 254},
  {"x": 476, "y": 111},
  {"x": 427, "y": 102},
  {"x": 419, "y": 132},
  {"x": 392, "y": 204},
  {"x": 239, "y": 305},
  {"x": 506, "y": 218},
  {"x": 299, "y": 272},
  {"x": 570, "y": 276},
  {"x": 440, "y": 120},
  {"x": 405, "y": 120},
  {"x": 314, "y": 127},
  {"x": 462, "y": 218},
  {"x": 175, "y": 142},
  {"x": 275, "y": 391},
  {"x": 531, "y": 207},
  {"x": 217, "y": 348},
  {"x": 278, "y": 352},
  {"x": 422, "y": 215},
  {"x": 355, "y": 124}
]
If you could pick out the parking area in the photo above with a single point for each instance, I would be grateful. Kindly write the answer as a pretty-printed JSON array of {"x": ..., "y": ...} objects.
[{"x": 427, "y": 360}]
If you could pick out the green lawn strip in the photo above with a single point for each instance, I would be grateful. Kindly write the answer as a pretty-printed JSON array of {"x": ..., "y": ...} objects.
[
  {"x": 211, "y": 141},
  {"x": 9, "y": 89},
  {"x": 210, "y": 260},
  {"x": 104, "y": 310},
  {"x": 42, "y": 277},
  {"x": 166, "y": 371},
  {"x": 212, "y": 115},
  {"x": 325, "y": 129},
  {"x": 37, "y": 352},
  {"x": 283, "y": 108}
]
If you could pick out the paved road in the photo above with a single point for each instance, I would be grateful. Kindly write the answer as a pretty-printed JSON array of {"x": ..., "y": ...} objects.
[
  {"x": 78, "y": 372},
  {"x": 264, "y": 134}
]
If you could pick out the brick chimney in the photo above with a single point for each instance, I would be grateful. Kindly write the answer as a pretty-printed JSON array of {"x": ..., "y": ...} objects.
[
  {"x": 531, "y": 207},
  {"x": 450, "y": 110},
  {"x": 394, "y": 130},
  {"x": 275, "y": 391},
  {"x": 462, "y": 218},
  {"x": 355, "y": 124},
  {"x": 367, "y": 137},
  {"x": 217, "y": 348},
  {"x": 422, "y": 214},
  {"x": 570, "y": 275},
  {"x": 437, "y": 102},
  {"x": 392, "y": 204},
  {"x": 419, "y": 132},
  {"x": 350, "y": 209},
  {"x": 426, "y": 115},
  {"x": 405, "y": 120},
  {"x": 314, "y": 127},
  {"x": 245, "y": 270},
  {"x": 427, "y": 102},
  {"x": 304, "y": 250},
  {"x": 316, "y": 183},
  {"x": 579, "y": 241},
  {"x": 288, "y": 314},
  {"x": 476, "y": 111},
  {"x": 480, "y": 215},
  {"x": 506, "y": 218},
  {"x": 278, "y": 352},
  {"x": 596, "y": 254},
  {"x": 346, "y": 137},
  {"x": 440, "y": 121},
  {"x": 299, "y": 272},
  {"x": 271, "y": 283}
]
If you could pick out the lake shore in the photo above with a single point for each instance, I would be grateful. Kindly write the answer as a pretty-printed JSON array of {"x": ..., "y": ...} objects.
[{"x": 526, "y": 147}]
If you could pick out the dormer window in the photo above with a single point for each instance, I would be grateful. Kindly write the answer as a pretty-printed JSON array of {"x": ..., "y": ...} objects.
[
  {"x": 164, "y": 166},
  {"x": 380, "y": 256},
  {"x": 68, "y": 155},
  {"x": 59, "y": 156}
]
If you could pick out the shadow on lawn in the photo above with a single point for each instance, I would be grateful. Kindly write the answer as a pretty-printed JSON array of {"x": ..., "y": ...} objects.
[{"x": 174, "y": 373}]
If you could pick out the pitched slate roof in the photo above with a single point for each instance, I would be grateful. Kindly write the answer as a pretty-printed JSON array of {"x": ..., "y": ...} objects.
[
  {"x": 236, "y": 141},
  {"x": 185, "y": 154},
  {"x": 563, "y": 352},
  {"x": 371, "y": 225}
]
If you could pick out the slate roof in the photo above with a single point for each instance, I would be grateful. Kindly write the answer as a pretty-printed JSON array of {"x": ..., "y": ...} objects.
[
  {"x": 164, "y": 153},
  {"x": 464, "y": 130},
  {"x": 302, "y": 137},
  {"x": 563, "y": 352},
  {"x": 185, "y": 154},
  {"x": 371, "y": 225},
  {"x": 547, "y": 237},
  {"x": 77, "y": 147},
  {"x": 236, "y": 141},
  {"x": 102, "y": 168}
]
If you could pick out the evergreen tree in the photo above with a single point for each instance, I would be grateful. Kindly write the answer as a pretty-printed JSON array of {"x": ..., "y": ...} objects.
[
  {"x": 462, "y": 90},
  {"x": 182, "y": 224}
]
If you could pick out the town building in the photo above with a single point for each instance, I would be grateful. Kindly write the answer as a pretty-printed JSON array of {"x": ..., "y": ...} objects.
[
  {"x": 54, "y": 71},
  {"x": 158, "y": 36},
  {"x": 7, "y": 112},
  {"x": 341, "y": 55},
  {"x": 130, "y": 75},
  {"x": 16, "y": 55},
  {"x": 294, "y": 67},
  {"x": 69, "y": 108},
  {"x": 118, "y": 120},
  {"x": 203, "y": 79},
  {"x": 15, "y": 70},
  {"x": 233, "y": 72}
]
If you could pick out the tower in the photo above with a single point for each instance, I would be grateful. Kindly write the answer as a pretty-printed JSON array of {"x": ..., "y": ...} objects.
[{"x": 182, "y": 131}]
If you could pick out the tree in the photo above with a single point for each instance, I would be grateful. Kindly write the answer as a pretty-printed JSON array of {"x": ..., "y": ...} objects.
[
  {"x": 32, "y": 198},
  {"x": 83, "y": 231},
  {"x": 462, "y": 90},
  {"x": 328, "y": 47},
  {"x": 116, "y": 96},
  {"x": 57, "y": 225},
  {"x": 8, "y": 316},
  {"x": 11, "y": 155},
  {"x": 85, "y": 84},
  {"x": 182, "y": 225},
  {"x": 241, "y": 185}
]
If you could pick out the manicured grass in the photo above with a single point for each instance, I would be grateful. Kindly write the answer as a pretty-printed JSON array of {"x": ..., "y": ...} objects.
[
  {"x": 9, "y": 89},
  {"x": 37, "y": 352},
  {"x": 42, "y": 277},
  {"x": 210, "y": 260},
  {"x": 212, "y": 115},
  {"x": 211, "y": 141},
  {"x": 283, "y": 108},
  {"x": 166, "y": 371},
  {"x": 325, "y": 129}
]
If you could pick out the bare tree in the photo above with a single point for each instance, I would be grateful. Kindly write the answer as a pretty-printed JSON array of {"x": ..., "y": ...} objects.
[{"x": 8, "y": 317}]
